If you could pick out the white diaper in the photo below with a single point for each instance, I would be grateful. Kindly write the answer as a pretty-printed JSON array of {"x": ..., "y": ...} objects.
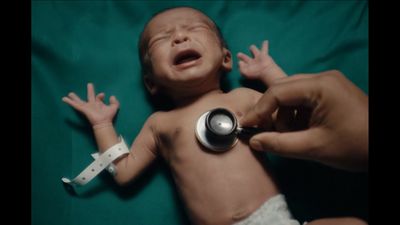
[{"x": 273, "y": 212}]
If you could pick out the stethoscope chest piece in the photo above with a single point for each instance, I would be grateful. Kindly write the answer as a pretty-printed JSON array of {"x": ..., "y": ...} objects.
[{"x": 217, "y": 130}]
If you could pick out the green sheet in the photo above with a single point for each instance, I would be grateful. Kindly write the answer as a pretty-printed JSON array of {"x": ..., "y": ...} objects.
[{"x": 95, "y": 41}]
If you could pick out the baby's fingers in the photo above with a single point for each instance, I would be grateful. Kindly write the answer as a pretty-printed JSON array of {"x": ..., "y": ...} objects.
[
  {"x": 264, "y": 49},
  {"x": 254, "y": 50},
  {"x": 90, "y": 92},
  {"x": 114, "y": 102},
  {"x": 74, "y": 97},
  {"x": 243, "y": 57},
  {"x": 75, "y": 104},
  {"x": 100, "y": 97}
]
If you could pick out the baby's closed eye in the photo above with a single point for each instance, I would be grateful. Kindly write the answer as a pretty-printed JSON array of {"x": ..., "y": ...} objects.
[
  {"x": 198, "y": 27},
  {"x": 158, "y": 39}
]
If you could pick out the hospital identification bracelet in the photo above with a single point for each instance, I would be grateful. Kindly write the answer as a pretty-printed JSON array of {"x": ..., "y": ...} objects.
[{"x": 101, "y": 162}]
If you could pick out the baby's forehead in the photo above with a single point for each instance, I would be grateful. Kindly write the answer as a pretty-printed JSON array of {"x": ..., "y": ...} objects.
[{"x": 184, "y": 16}]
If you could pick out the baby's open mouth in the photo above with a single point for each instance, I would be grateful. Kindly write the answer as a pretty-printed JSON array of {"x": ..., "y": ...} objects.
[{"x": 186, "y": 56}]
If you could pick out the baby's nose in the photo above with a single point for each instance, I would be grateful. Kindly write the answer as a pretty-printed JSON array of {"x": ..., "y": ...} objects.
[{"x": 180, "y": 38}]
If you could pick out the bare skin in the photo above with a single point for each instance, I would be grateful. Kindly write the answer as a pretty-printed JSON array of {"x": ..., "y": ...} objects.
[
  {"x": 187, "y": 59},
  {"x": 336, "y": 221},
  {"x": 217, "y": 188}
]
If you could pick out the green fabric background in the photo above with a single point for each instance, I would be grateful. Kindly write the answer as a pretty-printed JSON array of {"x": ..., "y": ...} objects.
[{"x": 95, "y": 41}]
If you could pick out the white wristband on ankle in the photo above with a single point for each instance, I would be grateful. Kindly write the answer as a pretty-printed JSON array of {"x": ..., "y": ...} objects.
[{"x": 103, "y": 161}]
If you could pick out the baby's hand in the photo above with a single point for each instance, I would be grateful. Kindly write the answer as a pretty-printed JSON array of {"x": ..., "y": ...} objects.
[
  {"x": 94, "y": 109},
  {"x": 254, "y": 68}
]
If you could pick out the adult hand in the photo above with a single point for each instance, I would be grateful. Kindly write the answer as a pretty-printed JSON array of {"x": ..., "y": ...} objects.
[{"x": 336, "y": 122}]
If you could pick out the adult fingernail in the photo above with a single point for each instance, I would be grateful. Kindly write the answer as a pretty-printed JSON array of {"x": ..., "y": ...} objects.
[{"x": 256, "y": 145}]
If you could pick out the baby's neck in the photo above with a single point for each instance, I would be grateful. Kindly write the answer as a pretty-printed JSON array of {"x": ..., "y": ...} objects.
[{"x": 184, "y": 101}]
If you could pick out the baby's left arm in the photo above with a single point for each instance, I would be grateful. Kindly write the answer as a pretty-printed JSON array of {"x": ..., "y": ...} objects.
[{"x": 262, "y": 66}]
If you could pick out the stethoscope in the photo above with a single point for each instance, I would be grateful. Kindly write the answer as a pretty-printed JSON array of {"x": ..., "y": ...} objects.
[{"x": 218, "y": 130}]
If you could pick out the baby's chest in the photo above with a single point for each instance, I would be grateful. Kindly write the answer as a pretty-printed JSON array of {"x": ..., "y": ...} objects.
[
  {"x": 177, "y": 135},
  {"x": 177, "y": 141},
  {"x": 174, "y": 132}
]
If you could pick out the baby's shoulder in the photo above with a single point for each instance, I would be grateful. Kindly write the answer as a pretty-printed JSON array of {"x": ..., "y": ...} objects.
[
  {"x": 246, "y": 97},
  {"x": 155, "y": 117},
  {"x": 159, "y": 118},
  {"x": 245, "y": 93}
]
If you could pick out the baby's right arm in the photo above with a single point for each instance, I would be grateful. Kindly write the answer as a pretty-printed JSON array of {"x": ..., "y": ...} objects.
[
  {"x": 143, "y": 151},
  {"x": 261, "y": 67}
]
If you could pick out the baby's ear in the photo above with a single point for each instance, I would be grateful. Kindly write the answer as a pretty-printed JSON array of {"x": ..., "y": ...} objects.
[
  {"x": 227, "y": 62},
  {"x": 150, "y": 85}
]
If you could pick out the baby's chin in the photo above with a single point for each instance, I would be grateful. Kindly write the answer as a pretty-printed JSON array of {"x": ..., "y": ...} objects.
[
  {"x": 195, "y": 79},
  {"x": 190, "y": 74},
  {"x": 193, "y": 85}
]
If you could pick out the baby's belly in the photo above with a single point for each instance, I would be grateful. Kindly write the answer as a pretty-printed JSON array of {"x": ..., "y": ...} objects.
[{"x": 221, "y": 188}]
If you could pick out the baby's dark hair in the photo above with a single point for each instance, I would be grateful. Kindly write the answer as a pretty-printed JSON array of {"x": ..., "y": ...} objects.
[{"x": 146, "y": 67}]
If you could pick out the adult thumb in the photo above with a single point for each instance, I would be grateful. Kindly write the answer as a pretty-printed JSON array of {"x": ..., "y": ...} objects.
[{"x": 299, "y": 144}]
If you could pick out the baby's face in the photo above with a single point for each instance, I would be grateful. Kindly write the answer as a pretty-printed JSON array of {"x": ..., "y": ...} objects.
[{"x": 184, "y": 49}]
